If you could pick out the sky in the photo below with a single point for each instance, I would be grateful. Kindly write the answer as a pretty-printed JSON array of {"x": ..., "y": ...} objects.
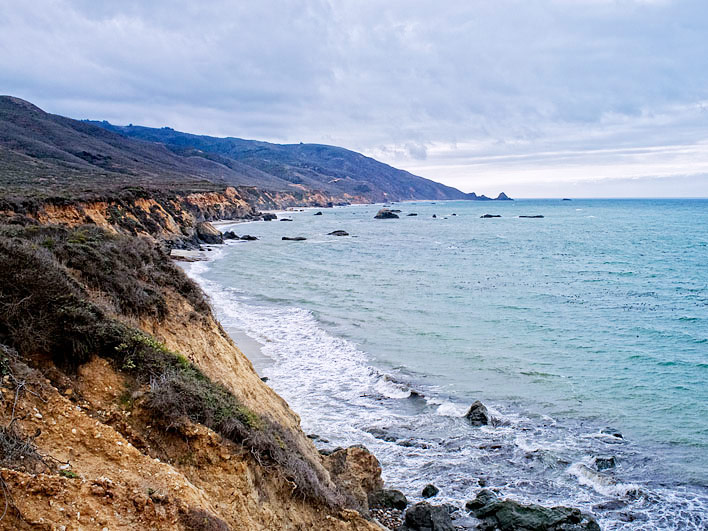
[{"x": 536, "y": 98}]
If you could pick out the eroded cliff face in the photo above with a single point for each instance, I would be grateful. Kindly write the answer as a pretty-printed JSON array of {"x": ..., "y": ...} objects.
[
  {"x": 92, "y": 326},
  {"x": 120, "y": 468},
  {"x": 170, "y": 217}
]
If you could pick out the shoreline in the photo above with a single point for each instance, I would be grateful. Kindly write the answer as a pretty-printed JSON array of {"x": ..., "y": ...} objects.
[{"x": 581, "y": 471}]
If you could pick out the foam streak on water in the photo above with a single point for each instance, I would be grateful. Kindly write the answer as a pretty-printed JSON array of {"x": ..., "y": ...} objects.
[{"x": 561, "y": 328}]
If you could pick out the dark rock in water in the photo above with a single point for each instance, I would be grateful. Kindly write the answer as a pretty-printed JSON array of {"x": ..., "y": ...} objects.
[
  {"x": 605, "y": 463},
  {"x": 612, "y": 505},
  {"x": 453, "y": 214},
  {"x": 566, "y": 199},
  {"x": 317, "y": 214},
  {"x": 385, "y": 213},
  {"x": 294, "y": 238},
  {"x": 434, "y": 216},
  {"x": 487, "y": 216},
  {"x": 508, "y": 515},
  {"x": 265, "y": 379},
  {"x": 207, "y": 233},
  {"x": 611, "y": 431},
  {"x": 382, "y": 434},
  {"x": 388, "y": 498},
  {"x": 285, "y": 219},
  {"x": 338, "y": 233},
  {"x": 248, "y": 237},
  {"x": 425, "y": 517},
  {"x": 503, "y": 197},
  {"x": 230, "y": 235},
  {"x": 268, "y": 216},
  {"x": 429, "y": 491},
  {"x": 477, "y": 415},
  {"x": 412, "y": 214},
  {"x": 395, "y": 210},
  {"x": 537, "y": 216}
]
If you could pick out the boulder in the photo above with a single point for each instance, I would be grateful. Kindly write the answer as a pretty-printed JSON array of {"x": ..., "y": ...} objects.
[
  {"x": 293, "y": 238},
  {"x": 285, "y": 219},
  {"x": 230, "y": 235},
  {"x": 385, "y": 213},
  {"x": 434, "y": 216},
  {"x": 338, "y": 233},
  {"x": 248, "y": 237},
  {"x": 268, "y": 216},
  {"x": 477, "y": 414},
  {"x": 429, "y": 491},
  {"x": 537, "y": 216},
  {"x": 357, "y": 470},
  {"x": 412, "y": 214},
  {"x": 207, "y": 233},
  {"x": 487, "y": 216},
  {"x": 396, "y": 210},
  {"x": 388, "y": 499},
  {"x": 425, "y": 517},
  {"x": 317, "y": 214},
  {"x": 509, "y": 515}
]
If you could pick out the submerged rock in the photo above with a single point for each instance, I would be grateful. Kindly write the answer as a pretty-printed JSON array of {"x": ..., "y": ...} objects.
[
  {"x": 317, "y": 214},
  {"x": 605, "y": 463},
  {"x": 477, "y": 414},
  {"x": 612, "y": 431},
  {"x": 509, "y": 515},
  {"x": 488, "y": 216},
  {"x": 248, "y": 237},
  {"x": 412, "y": 214},
  {"x": 429, "y": 491},
  {"x": 293, "y": 238},
  {"x": 425, "y": 517},
  {"x": 385, "y": 213},
  {"x": 388, "y": 499},
  {"x": 207, "y": 233},
  {"x": 338, "y": 233},
  {"x": 285, "y": 219},
  {"x": 537, "y": 216}
]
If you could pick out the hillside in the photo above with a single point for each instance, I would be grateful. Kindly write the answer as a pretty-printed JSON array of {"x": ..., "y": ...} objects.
[
  {"x": 46, "y": 156},
  {"x": 332, "y": 169}
]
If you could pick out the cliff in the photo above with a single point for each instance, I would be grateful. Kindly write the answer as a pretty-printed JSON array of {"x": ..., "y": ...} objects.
[{"x": 125, "y": 404}]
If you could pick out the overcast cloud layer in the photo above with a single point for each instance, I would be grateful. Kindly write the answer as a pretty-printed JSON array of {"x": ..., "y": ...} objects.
[{"x": 536, "y": 98}]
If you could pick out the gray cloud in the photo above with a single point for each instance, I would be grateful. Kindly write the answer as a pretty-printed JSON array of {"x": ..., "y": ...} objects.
[{"x": 482, "y": 95}]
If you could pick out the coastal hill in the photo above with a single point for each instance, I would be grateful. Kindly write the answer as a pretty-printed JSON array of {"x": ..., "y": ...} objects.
[
  {"x": 332, "y": 169},
  {"x": 49, "y": 156}
]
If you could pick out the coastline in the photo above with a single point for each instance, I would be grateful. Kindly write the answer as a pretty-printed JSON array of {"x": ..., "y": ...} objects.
[{"x": 580, "y": 470}]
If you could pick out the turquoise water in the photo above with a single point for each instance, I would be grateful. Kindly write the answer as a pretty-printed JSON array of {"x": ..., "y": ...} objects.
[{"x": 595, "y": 316}]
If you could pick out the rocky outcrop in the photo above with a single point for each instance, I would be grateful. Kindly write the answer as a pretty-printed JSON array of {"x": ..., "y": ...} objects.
[
  {"x": 338, "y": 233},
  {"x": 503, "y": 197},
  {"x": 357, "y": 470},
  {"x": 477, "y": 414},
  {"x": 293, "y": 238},
  {"x": 207, "y": 233},
  {"x": 425, "y": 517},
  {"x": 489, "y": 216},
  {"x": 248, "y": 238},
  {"x": 385, "y": 213},
  {"x": 509, "y": 515},
  {"x": 537, "y": 216}
]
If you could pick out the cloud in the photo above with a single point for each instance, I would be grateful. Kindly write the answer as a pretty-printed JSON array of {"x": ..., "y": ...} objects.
[{"x": 429, "y": 86}]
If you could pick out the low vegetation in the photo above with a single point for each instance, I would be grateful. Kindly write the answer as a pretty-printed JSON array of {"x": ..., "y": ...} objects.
[{"x": 63, "y": 293}]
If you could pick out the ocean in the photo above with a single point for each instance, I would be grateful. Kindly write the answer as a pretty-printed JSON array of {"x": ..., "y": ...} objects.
[{"x": 572, "y": 329}]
